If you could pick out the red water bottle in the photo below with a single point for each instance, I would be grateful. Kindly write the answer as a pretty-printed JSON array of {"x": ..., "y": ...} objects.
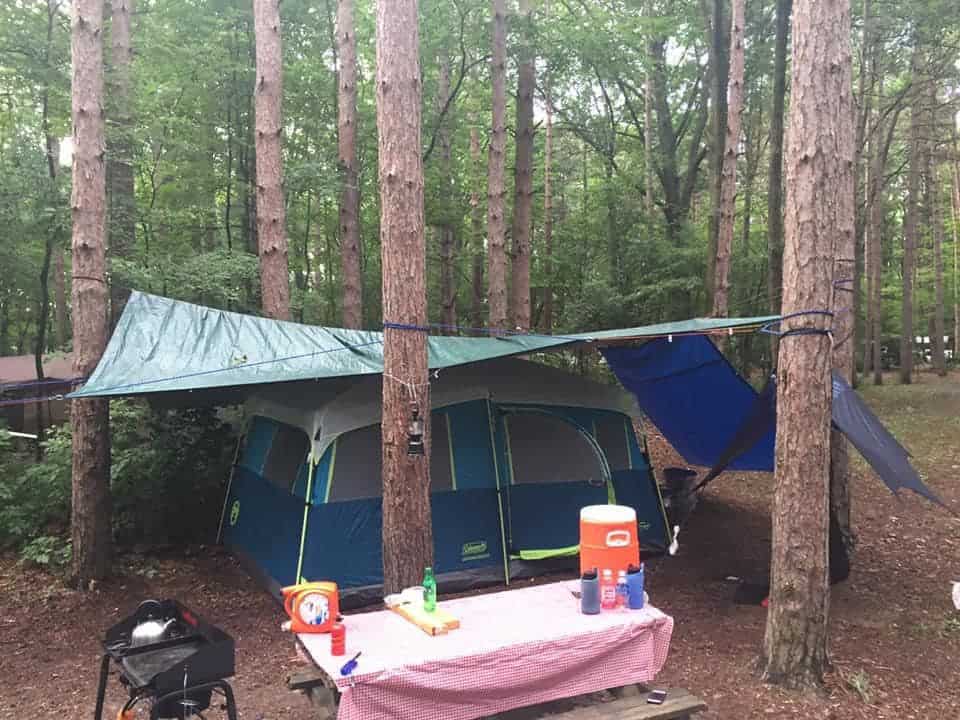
[
  {"x": 608, "y": 590},
  {"x": 338, "y": 639}
]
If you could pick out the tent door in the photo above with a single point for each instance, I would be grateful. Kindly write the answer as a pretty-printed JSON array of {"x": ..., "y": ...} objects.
[{"x": 554, "y": 467}]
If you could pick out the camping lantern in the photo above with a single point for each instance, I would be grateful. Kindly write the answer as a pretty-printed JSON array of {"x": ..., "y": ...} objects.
[{"x": 415, "y": 433}]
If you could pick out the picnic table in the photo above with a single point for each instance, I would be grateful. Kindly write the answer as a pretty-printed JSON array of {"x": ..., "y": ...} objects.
[{"x": 513, "y": 649}]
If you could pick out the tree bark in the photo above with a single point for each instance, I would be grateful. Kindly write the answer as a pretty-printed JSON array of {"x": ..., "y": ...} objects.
[
  {"x": 448, "y": 287},
  {"x": 60, "y": 297},
  {"x": 271, "y": 214},
  {"x": 728, "y": 178},
  {"x": 123, "y": 206},
  {"x": 874, "y": 261},
  {"x": 775, "y": 182},
  {"x": 955, "y": 205},
  {"x": 934, "y": 138},
  {"x": 936, "y": 212},
  {"x": 90, "y": 419},
  {"x": 407, "y": 535},
  {"x": 351, "y": 273},
  {"x": 844, "y": 292},
  {"x": 910, "y": 226},
  {"x": 819, "y": 156},
  {"x": 497, "y": 257},
  {"x": 548, "y": 205},
  {"x": 523, "y": 176},
  {"x": 719, "y": 45},
  {"x": 476, "y": 234}
]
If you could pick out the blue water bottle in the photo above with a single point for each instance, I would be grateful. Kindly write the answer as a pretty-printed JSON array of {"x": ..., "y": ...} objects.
[
  {"x": 590, "y": 593},
  {"x": 635, "y": 587}
]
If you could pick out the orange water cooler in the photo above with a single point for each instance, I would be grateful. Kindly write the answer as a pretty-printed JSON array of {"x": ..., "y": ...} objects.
[{"x": 608, "y": 538}]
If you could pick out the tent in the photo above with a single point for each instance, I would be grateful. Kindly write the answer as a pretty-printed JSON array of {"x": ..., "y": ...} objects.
[{"x": 517, "y": 448}]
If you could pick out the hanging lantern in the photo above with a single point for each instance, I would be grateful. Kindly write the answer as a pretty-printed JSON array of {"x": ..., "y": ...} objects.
[{"x": 415, "y": 434}]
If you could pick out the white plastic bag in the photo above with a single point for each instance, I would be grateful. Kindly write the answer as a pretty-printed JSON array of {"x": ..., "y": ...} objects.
[{"x": 956, "y": 595}]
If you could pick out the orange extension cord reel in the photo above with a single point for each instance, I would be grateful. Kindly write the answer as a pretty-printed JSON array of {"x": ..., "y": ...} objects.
[{"x": 313, "y": 607}]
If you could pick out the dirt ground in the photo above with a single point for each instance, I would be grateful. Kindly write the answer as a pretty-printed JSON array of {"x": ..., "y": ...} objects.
[{"x": 895, "y": 638}]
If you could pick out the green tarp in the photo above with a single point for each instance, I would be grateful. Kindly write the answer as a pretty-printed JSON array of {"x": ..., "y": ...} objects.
[{"x": 162, "y": 345}]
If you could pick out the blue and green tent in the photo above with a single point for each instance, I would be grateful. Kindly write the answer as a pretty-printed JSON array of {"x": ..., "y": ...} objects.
[{"x": 517, "y": 447}]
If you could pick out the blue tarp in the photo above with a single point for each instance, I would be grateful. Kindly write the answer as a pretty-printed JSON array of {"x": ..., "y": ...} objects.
[
  {"x": 694, "y": 396},
  {"x": 714, "y": 418}
]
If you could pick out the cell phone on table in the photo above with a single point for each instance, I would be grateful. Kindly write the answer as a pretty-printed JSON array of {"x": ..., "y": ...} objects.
[{"x": 656, "y": 697}]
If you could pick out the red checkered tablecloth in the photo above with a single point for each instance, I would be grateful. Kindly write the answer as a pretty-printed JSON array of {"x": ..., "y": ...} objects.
[{"x": 513, "y": 649}]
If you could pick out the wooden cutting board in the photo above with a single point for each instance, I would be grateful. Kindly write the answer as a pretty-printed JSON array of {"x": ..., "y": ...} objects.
[{"x": 438, "y": 622}]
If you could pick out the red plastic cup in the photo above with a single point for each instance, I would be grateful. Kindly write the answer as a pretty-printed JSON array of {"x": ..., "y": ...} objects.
[{"x": 338, "y": 639}]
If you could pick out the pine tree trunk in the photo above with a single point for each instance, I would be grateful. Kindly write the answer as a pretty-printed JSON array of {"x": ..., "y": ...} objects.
[
  {"x": 90, "y": 419},
  {"x": 728, "y": 178},
  {"x": 523, "y": 176},
  {"x": 844, "y": 292},
  {"x": 448, "y": 287},
  {"x": 548, "y": 209},
  {"x": 407, "y": 536},
  {"x": 775, "y": 181},
  {"x": 271, "y": 215},
  {"x": 648, "y": 169},
  {"x": 864, "y": 101},
  {"x": 497, "y": 257},
  {"x": 956, "y": 251},
  {"x": 818, "y": 163},
  {"x": 123, "y": 206},
  {"x": 719, "y": 44},
  {"x": 910, "y": 233},
  {"x": 934, "y": 138},
  {"x": 352, "y": 277},
  {"x": 476, "y": 234},
  {"x": 60, "y": 297}
]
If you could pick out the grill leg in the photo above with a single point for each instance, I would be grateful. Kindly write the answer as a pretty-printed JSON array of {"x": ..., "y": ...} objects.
[
  {"x": 102, "y": 687},
  {"x": 221, "y": 685}
]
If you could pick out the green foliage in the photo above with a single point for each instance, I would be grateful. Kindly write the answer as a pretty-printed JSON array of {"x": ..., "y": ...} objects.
[
  {"x": 34, "y": 496},
  {"x": 47, "y": 551},
  {"x": 168, "y": 472}
]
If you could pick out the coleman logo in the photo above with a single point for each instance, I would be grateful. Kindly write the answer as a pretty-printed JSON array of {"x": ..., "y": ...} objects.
[{"x": 475, "y": 550}]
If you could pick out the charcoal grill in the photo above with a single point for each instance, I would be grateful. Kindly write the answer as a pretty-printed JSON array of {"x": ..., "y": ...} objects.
[{"x": 177, "y": 674}]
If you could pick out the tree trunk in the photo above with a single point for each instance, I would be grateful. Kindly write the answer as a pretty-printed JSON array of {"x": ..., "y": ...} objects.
[
  {"x": 819, "y": 156},
  {"x": 60, "y": 297},
  {"x": 775, "y": 182},
  {"x": 123, "y": 206},
  {"x": 910, "y": 226},
  {"x": 728, "y": 179},
  {"x": 864, "y": 101},
  {"x": 90, "y": 419},
  {"x": 497, "y": 257},
  {"x": 352, "y": 276},
  {"x": 271, "y": 215},
  {"x": 933, "y": 201},
  {"x": 448, "y": 287},
  {"x": 476, "y": 233},
  {"x": 523, "y": 175},
  {"x": 844, "y": 316},
  {"x": 548, "y": 206},
  {"x": 719, "y": 45},
  {"x": 407, "y": 535},
  {"x": 956, "y": 251}
]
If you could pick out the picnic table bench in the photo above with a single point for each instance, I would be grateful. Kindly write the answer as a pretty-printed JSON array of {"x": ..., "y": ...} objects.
[{"x": 514, "y": 649}]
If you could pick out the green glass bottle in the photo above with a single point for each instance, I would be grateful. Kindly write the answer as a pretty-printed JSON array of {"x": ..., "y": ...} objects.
[{"x": 429, "y": 590}]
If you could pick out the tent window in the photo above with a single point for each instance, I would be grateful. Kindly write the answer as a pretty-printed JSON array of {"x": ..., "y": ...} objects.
[
  {"x": 612, "y": 438},
  {"x": 285, "y": 456},
  {"x": 547, "y": 449},
  {"x": 357, "y": 471}
]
